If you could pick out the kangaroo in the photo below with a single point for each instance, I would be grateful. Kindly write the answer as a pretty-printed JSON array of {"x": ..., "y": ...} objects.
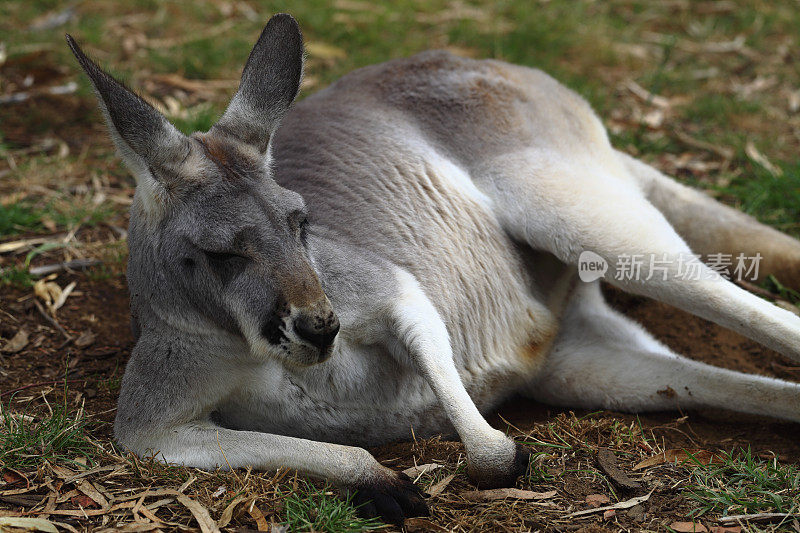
[{"x": 396, "y": 255}]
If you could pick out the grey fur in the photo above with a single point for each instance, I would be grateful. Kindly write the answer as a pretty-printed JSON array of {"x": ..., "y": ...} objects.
[
  {"x": 270, "y": 82},
  {"x": 447, "y": 201}
]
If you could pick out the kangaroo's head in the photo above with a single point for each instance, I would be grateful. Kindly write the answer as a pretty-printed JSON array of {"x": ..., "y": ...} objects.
[{"x": 214, "y": 241}]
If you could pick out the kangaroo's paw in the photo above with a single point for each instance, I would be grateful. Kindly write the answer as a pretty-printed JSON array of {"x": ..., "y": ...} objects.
[
  {"x": 501, "y": 467},
  {"x": 393, "y": 499}
]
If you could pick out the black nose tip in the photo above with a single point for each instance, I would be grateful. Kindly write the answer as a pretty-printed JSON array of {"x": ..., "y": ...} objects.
[{"x": 317, "y": 331}]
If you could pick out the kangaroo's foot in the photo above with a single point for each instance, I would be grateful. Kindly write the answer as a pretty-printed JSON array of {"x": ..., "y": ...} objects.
[
  {"x": 393, "y": 499},
  {"x": 498, "y": 466}
]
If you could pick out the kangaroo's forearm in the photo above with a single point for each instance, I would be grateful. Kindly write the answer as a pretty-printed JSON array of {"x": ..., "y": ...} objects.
[{"x": 209, "y": 447}]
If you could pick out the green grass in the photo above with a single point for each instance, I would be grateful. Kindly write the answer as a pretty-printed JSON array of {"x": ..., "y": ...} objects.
[
  {"x": 310, "y": 508},
  {"x": 69, "y": 214},
  {"x": 744, "y": 484},
  {"x": 17, "y": 218},
  {"x": 59, "y": 436},
  {"x": 772, "y": 199},
  {"x": 111, "y": 384},
  {"x": 65, "y": 212},
  {"x": 773, "y": 284},
  {"x": 199, "y": 118},
  {"x": 16, "y": 276},
  {"x": 537, "y": 473}
]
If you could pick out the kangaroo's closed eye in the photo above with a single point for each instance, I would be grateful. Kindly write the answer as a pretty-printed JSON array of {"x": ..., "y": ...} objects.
[
  {"x": 298, "y": 220},
  {"x": 223, "y": 257}
]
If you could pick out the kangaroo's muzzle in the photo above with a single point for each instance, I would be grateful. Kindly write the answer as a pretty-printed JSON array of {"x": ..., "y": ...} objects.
[{"x": 319, "y": 331}]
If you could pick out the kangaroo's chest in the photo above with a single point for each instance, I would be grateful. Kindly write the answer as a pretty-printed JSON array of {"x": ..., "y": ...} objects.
[
  {"x": 363, "y": 395},
  {"x": 360, "y": 396}
]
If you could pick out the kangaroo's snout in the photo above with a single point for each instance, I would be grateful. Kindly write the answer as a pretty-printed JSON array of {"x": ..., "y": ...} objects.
[{"x": 318, "y": 329}]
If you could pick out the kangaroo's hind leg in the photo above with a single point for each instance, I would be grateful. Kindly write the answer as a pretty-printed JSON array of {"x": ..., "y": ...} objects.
[
  {"x": 711, "y": 227},
  {"x": 568, "y": 207},
  {"x": 602, "y": 359}
]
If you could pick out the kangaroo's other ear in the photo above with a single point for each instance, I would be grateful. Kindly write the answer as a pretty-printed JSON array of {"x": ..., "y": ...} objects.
[
  {"x": 270, "y": 82},
  {"x": 149, "y": 145}
]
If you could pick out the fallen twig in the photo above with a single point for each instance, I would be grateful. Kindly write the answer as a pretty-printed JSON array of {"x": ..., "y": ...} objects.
[
  {"x": 500, "y": 494},
  {"x": 52, "y": 321},
  {"x": 40, "y": 384},
  {"x": 14, "y": 98},
  {"x": 77, "y": 264},
  {"x": 755, "y": 289},
  {"x": 627, "y": 504},
  {"x": 723, "y": 151},
  {"x": 757, "y": 516},
  {"x": 647, "y": 96},
  {"x": 13, "y": 246},
  {"x": 437, "y": 488}
]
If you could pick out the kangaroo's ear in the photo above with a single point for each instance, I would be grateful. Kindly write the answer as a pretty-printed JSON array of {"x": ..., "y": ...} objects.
[
  {"x": 149, "y": 145},
  {"x": 270, "y": 82}
]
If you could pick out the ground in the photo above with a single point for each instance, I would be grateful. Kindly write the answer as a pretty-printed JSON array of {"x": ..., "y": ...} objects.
[{"x": 706, "y": 91}]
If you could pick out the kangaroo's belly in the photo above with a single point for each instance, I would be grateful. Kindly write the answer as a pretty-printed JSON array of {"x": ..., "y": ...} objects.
[
  {"x": 364, "y": 395},
  {"x": 360, "y": 396}
]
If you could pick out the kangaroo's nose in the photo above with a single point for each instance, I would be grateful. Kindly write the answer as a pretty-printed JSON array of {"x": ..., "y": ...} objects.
[{"x": 317, "y": 331}]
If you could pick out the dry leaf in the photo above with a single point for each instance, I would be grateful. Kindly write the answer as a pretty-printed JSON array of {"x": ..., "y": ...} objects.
[
  {"x": 678, "y": 455},
  {"x": 19, "y": 522},
  {"x": 688, "y": 527},
  {"x": 227, "y": 513},
  {"x": 62, "y": 472},
  {"x": 794, "y": 101},
  {"x": 627, "y": 504},
  {"x": 726, "y": 529},
  {"x": 200, "y": 513},
  {"x": 415, "y": 471},
  {"x": 51, "y": 294},
  {"x": 596, "y": 500},
  {"x": 258, "y": 516},
  {"x": 757, "y": 157},
  {"x": 608, "y": 515},
  {"x": 747, "y": 90},
  {"x": 85, "y": 339},
  {"x": 608, "y": 464},
  {"x": 62, "y": 298},
  {"x": 11, "y": 477},
  {"x": 82, "y": 500},
  {"x": 46, "y": 290},
  {"x": 17, "y": 342},
  {"x": 91, "y": 491},
  {"x": 499, "y": 494},
  {"x": 422, "y": 525},
  {"x": 437, "y": 488}
]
